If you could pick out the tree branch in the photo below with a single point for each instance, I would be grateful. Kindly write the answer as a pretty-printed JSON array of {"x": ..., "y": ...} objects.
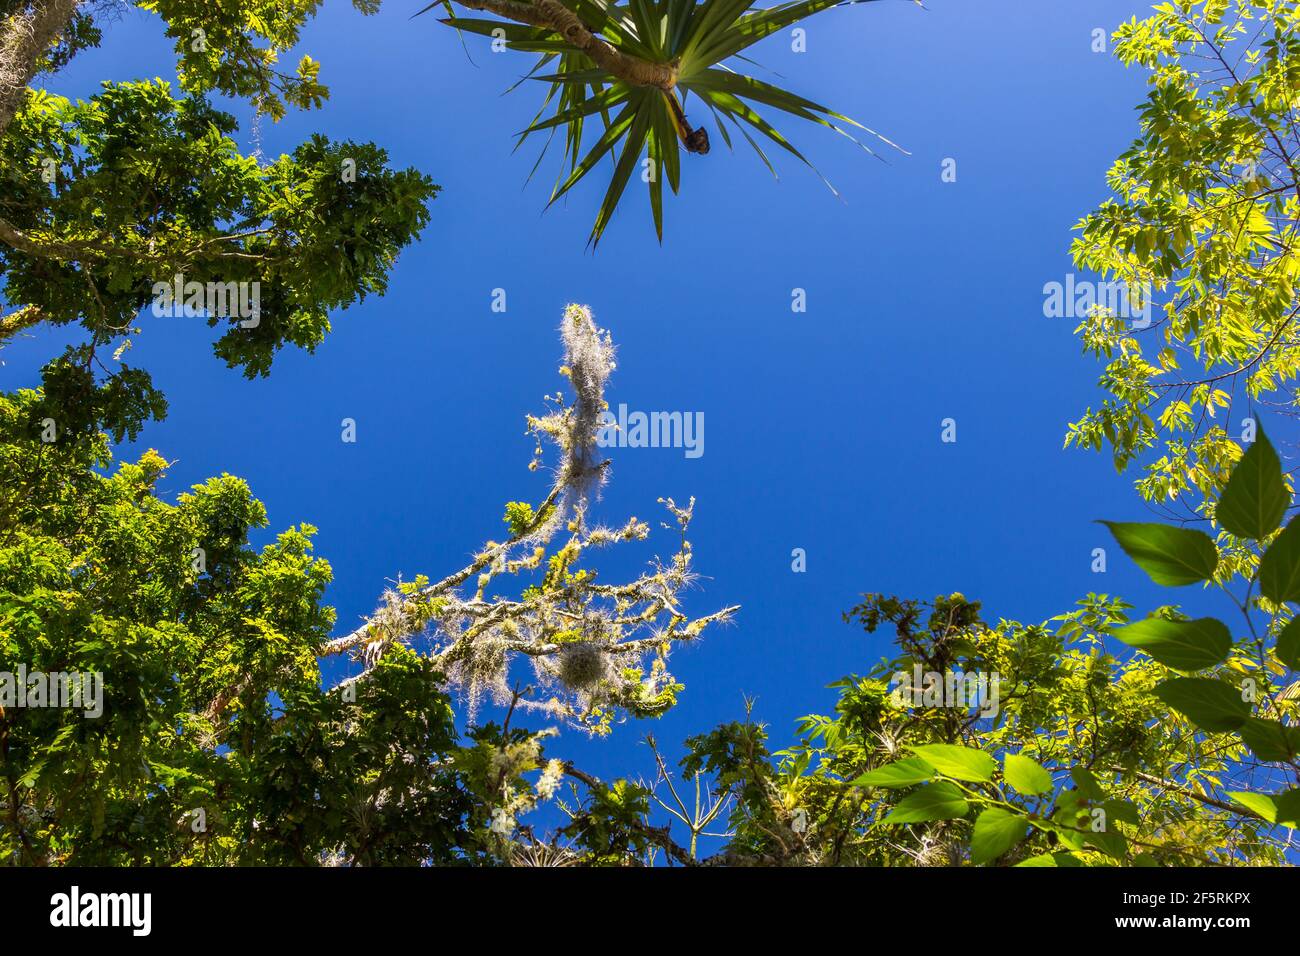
[{"x": 25, "y": 37}]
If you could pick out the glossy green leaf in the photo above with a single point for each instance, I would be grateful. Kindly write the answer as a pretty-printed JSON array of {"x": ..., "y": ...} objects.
[
  {"x": 1052, "y": 859},
  {"x": 960, "y": 763},
  {"x": 1288, "y": 644},
  {"x": 996, "y": 832},
  {"x": 1171, "y": 556},
  {"x": 1026, "y": 775},
  {"x": 935, "y": 801},
  {"x": 1279, "y": 569},
  {"x": 901, "y": 773},
  {"x": 1255, "y": 498},
  {"x": 1109, "y": 841},
  {"x": 1270, "y": 740},
  {"x": 1260, "y": 804},
  {"x": 1182, "y": 645},
  {"x": 1087, "y": 785},
  {"x": 1212, "y": 705}
]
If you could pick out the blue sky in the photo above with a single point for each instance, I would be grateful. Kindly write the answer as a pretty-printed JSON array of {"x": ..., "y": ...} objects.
[{"x": 925, "y": 301}]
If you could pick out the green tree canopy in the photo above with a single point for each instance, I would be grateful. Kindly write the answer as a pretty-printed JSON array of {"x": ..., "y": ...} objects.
[
  {"x": 1203, "y": 224},
  {"x": 109, "y": 201}
]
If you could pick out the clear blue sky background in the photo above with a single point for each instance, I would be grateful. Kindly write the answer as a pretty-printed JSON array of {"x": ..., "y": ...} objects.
[{"x": 822, "y": 432}]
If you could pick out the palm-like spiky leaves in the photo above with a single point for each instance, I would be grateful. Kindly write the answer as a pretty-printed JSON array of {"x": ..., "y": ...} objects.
[{"x": 693, "y": 39}]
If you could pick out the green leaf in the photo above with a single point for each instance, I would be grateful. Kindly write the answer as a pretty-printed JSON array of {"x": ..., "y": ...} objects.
[
  {"x": 1279, "y": 569},
  {"x": 1052, "y": 859},
  {"x": 1171, "y": 556},
  {"x": 934, "y": 801},
  {"x": 632, "y": 147},
  {"x": 607, "y": 141},
  {"x": 1026, "y": 775},
  {"x": 607, "y": 98},
  {"x": 1108, "y": 841},
  {"x": 1269, "y": 740},
  {"x": 1211, "y": 705},
  {"x": 996, "y": 832},
  {"x": 1288, "y": 645},
  {"x": 1258, "y": 803},
  {"x": 1255, "y": 498},
  {"x": 1084, "y": 779},
  {"x": 900, "y": 773},
  {"x": 1288, "y": 807},
  {"x": 960, "y": 763},
  {"x": 1121, "y": 810},
  {"x": 1182, "y": 645},
  {"x": 1283, "y": 808}
]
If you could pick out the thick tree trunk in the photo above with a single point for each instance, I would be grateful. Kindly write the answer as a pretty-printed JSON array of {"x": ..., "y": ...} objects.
[
  {"x": 18, "y": 321},
  {"x": 25, "y": 37}
]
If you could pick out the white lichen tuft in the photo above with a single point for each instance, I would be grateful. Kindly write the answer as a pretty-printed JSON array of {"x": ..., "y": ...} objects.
[
  {"x": 582, "y": 667},
  {"x": 596, "y": 648}
]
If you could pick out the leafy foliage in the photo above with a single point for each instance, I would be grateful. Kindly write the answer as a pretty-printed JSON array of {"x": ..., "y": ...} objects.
[
  {"x": 1203, "y": 225},
  {"x": 217, "y": 742},
  {"x": 218, "y": 739},
  {"x": 1088, "y": 760},
  {"x": 150, "y": 187}
]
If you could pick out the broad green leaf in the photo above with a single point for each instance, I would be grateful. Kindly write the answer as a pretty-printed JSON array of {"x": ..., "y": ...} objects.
[
  {"x": 1211, "y": 705},
  {"x": 1121, "y": 810},
  {"x": 1279, "y": 569},
  {"x": 1288, "y": 807},
  {"x": 1171, "y": 556},
  {"x": 996, "y": 832},
  {"x": 1258, "y": 803},
  {"x": 900, "y": 773},
  {"x": 1052, "y": 859},
  {"x": 1109, "y": 841},
  {"x": 1270, "y": 740},
  {"x": 1288, "y": 645},
  {"x": 1283, "y": 808},
  {"x": 934, "y": 801},
  {"x": 1182, "y": 645},
  {"x": 960, "y": 763},
  {"x": 1026, "y": 775},
  {"x": 1084, "y": 779},
  {"x": 1255, "y": 498}
]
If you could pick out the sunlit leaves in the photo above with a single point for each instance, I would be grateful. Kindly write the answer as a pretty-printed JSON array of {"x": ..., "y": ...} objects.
[
  {"x": 1182, "y": 645},
  {"x": 153, "y": 185},
  {"x": 934, "y": 801},
  {"x": 900, "y": 773},
  {"x": 1211, "y": 705},
  {"x": 1255, "y": 497},
  {"x": 1203, "y": 215},
  {"x": 1279, "y": 568},
  {"x": 996, "y": 831},
  {"x": 1026, "y": 775},
  {"x": 1171, "y": 556},
  {"x": 960, "y": 763}
]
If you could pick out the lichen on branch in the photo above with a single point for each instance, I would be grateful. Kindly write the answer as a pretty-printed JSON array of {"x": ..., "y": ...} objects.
[{"x": 597, "y": 651}]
